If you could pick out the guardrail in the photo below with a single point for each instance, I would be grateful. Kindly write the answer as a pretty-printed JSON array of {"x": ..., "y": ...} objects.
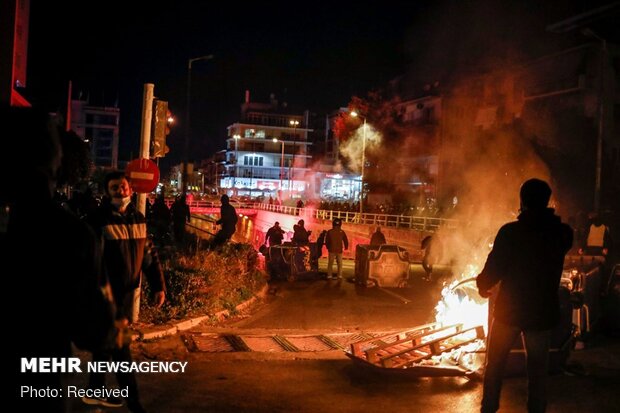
[{"x": 419, "y": 223}]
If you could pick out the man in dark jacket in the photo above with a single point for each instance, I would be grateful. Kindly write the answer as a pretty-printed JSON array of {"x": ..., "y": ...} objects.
[
  {"x": 526, "y": 261},
  {"x": 335, "y": 240},
  {"x": 127, "y": 253},
  {"x": 228, "y": 221},
  {"x": 275, "y": 235}
]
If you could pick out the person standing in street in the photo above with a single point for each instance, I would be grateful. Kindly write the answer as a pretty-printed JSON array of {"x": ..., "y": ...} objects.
[
  {"x": 127, "y": 253},
  {"x": 50, "y": 262},
  {"x": 336, "y": 242},
  {"x": 526, "y": 261}
]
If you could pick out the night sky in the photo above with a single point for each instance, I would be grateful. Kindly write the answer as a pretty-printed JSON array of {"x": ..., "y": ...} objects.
[{"x": 312, "y": 55}]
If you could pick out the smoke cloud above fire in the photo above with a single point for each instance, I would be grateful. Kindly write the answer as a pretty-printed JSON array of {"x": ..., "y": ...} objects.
[{"x": 352, "y": 148}]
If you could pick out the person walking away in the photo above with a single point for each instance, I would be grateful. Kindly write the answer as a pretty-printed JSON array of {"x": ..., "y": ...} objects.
[
  {"x": 127, "y": 253},
  {"x": 526, "y": 261},
  {"x": 377, "y": 237},
  {"x": 228, "y": 221},
  {"x": 274, "y": 235},
  {"x": 49, "y": 258},
  {"x": 336, "y": 241},
  {"x": 180, "y": 216}
]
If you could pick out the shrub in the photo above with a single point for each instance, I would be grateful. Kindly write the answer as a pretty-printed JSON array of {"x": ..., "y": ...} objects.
[{"x": 200, "y": 282}]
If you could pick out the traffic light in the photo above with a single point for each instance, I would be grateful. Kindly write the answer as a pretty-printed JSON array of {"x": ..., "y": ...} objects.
[{"x": 163, "y": 119}]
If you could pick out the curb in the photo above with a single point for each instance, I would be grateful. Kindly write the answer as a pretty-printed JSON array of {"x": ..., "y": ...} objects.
[{"x": 151, "y": 333}]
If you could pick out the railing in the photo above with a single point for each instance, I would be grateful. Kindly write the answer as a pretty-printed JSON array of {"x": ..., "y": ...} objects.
[{"x": 418, "y": 223}]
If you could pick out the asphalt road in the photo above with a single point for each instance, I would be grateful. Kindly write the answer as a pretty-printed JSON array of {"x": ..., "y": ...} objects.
[{"x": 328, "y": 381}]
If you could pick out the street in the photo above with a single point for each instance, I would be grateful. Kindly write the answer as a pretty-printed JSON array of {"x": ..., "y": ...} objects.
[{"x": 328, "y": 381}]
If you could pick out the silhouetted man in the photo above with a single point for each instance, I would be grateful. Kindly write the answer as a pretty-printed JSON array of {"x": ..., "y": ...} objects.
[{"x": 526, "y": 261}]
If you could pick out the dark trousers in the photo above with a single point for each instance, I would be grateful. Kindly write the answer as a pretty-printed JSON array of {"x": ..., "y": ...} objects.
[
  {"x": 536, "y": 344},
  {"x": 97, "y": 380}
]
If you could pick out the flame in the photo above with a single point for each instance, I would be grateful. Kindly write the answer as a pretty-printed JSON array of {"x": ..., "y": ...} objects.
[{"x": 460, "y": 302}]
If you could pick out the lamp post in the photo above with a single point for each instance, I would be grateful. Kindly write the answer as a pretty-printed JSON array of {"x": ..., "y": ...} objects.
[
  {"x": 294, "y": 124},
  {"x": 202, "y": 182},
  {"x": 236, "y": 138},
  {"x": 356, "y": 115},
  {"x": 281, "y": 164},
  {"x": 187, "y": 116}
]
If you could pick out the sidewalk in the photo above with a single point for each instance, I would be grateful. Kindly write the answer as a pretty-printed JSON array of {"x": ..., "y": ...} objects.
[{"x": 143, "y": 332}]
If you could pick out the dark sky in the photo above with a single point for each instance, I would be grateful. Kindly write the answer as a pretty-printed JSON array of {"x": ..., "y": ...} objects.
[{"x": 313, "y": 55}]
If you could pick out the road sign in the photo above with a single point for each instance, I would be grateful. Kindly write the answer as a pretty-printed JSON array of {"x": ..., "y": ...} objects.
[{"x": 143, "y": 174}]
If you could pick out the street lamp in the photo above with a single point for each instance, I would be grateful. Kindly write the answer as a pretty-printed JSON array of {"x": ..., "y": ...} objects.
[
  {"x": 281, "y": 163},
  {"x": 356, "y": 115},
  {"x": 187, "y": 116},
  {"x": 236, "y": 138},
  {"x": 294, "y": 124}
]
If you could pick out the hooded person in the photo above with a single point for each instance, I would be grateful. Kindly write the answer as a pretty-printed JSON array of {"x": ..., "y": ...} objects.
[{"x": 526, "y": 263}]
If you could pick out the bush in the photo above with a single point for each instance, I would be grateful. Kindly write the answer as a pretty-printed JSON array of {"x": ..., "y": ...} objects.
[{"x": 201, "y": 282}]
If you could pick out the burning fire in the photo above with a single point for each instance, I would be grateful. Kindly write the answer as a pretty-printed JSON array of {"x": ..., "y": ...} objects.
[{"x": 461, "y": 303}]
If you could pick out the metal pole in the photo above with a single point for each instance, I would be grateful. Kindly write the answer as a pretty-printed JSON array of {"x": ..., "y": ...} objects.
[
  {"x": 236, "y": 138},
  {"x": 187, "y": 128},
  {"x": 187, "y": 117},
  {"x": 291, "y": 175},
  {"x": 599, "y": 138},
  {"x": 217, "y": 183},
  {"x": 281, "y": 168},
  {"x": 145, "y": 135},
  {"x": 252, "y": 169},
  {"x": 362, "y": 176}
]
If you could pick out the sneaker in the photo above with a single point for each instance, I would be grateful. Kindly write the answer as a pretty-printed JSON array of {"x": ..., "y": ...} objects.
[{"x": 103, "y": 401}]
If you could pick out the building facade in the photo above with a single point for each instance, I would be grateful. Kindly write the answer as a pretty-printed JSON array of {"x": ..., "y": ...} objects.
[
  {"x": 267, "y": 152},
  {"x": 99, "y": 127}
]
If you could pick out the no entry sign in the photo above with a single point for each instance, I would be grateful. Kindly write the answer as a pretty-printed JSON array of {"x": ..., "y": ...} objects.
[{"x": 143, "y": 174}]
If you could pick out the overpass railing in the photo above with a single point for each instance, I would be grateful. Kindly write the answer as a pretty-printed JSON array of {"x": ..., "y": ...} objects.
[{"x": 416, "y": 222}]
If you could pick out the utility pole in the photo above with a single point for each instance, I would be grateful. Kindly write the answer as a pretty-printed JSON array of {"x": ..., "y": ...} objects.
[{"x": 145, "y": 134}]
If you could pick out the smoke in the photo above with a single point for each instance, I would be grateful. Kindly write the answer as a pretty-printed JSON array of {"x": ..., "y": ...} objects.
[
  {"x": 484, "y": 167},
  {"x": 352, "y": 149}
]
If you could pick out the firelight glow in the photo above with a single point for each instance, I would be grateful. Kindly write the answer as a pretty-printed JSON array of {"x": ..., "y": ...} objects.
[{"x": 461, "y": 303}]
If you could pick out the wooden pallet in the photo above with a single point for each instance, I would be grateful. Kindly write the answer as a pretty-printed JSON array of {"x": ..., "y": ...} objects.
[{"x": 409, "y": 348}]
